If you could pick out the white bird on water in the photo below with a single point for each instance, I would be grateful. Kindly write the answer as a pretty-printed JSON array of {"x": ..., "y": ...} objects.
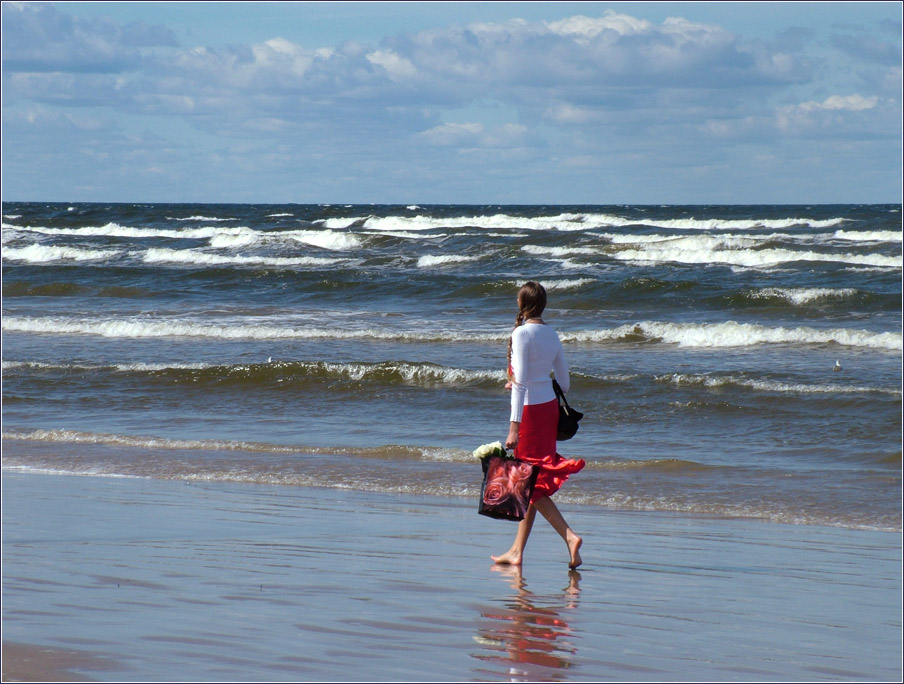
[{"x": 837, "y": 366}]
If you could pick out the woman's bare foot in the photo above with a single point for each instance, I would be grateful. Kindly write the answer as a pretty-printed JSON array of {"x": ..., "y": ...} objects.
[
  {"x": 574, "y": 544},
  {"x": 510, "y": 557}
]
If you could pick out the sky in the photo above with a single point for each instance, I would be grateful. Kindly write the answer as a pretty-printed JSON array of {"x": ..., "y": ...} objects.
[{"x": 452, "y": 102}]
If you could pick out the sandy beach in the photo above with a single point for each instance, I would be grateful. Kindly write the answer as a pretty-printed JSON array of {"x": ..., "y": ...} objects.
[{"x": 126, "y": 579}]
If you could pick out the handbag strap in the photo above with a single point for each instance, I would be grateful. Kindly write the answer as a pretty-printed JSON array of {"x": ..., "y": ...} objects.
[{"x": 560, "y": 395}]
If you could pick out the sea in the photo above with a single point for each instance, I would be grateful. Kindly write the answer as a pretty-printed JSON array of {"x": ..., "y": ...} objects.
[{"x": 730, "y": 361}]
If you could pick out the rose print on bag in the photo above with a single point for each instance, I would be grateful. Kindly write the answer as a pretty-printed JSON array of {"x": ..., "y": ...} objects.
[{"x": 507, "y": 487}]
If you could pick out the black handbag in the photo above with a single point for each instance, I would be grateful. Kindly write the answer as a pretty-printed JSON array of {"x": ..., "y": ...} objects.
[
  {"x": 568, "y": 417},
  {"x": 508, "y": 484}
]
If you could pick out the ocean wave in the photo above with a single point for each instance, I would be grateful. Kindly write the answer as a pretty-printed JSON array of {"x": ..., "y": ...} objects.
[
  {"x": 389, "y": 452},
  {"x": 723, "y": 335},
  {"x": 119, "y": 231},
  {"x": 386, "y": 372},
  {"x": 42, "y": 254},
  {"x": 570, "y": 222},
  {"x": 131, "y": 328},
  {"x": 431, "y": 260},
  {"x": 560, "y": 222},
  {"x": 564, "y": 284},
  {"x": 738, "y": 251},
  {"x": 732, "y": 334},
  {"x": 234, "y": 241},
  {"x": 777, "y": 512},
  {"x": 760, "y": 385},
  {"x": 202, "y": 218},
  {"x": 192, "y": 257},
  {"x": 457, "y": 475},
  {"x": 559, "y": 251},
  {"x": 326, "y": 239},
  {"x": 404, "y": 235},
  {"x": 801, "y": 296},
  {"x": 720, "y": 223},
  {"x": 868, "y": 235}
]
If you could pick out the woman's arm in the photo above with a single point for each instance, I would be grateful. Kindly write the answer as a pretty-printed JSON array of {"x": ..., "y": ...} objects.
[{"x": 519, "y": 369}]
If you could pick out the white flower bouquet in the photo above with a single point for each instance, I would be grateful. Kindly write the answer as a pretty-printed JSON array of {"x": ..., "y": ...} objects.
[{"x": 488, "y": 450}]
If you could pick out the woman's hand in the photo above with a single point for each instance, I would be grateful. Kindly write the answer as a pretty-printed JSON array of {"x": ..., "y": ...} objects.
[{"x": 512, "y": 440}]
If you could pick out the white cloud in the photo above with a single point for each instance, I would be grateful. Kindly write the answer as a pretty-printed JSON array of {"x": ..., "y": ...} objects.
[
  {"x": 452, "y": 134},
  {"x": 471, "y": 135},
  {"x": 587, "y": 28},
  {"x": 398, "y": 68},
  {"x": 569, "y": 114},
  {"x": 854, "y": 103},
  {"x": 834, "y": 115}
]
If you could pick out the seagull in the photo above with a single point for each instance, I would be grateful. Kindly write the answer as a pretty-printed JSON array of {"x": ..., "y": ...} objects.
[
  {"x": 269, "y": 359},
  {"x": 837, "y": 366}
]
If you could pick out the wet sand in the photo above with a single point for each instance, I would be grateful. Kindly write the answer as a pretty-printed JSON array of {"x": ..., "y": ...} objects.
[{"x": 116, "y": 579}]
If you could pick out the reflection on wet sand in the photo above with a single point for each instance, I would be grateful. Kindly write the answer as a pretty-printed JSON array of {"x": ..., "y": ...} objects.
[{"x": 527, "y": 638}]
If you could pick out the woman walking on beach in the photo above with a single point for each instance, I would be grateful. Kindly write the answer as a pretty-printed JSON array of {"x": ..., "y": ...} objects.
[{"x": 534, "y": 350}]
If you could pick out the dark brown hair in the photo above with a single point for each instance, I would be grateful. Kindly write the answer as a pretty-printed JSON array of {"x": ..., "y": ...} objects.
[{"x": 531, "y": 303}]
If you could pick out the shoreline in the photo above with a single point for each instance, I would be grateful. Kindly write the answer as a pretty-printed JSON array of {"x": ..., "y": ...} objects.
[{"x": 164, "y": 580}]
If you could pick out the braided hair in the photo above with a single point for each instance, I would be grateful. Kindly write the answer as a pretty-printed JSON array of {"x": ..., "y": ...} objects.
[{"x": 531, "y": 303}]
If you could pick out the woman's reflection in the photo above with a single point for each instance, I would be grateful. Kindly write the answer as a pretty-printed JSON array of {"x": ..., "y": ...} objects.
[{"x": 528, "y": 636}]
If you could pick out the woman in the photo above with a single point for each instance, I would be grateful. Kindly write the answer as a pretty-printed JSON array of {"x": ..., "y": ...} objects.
[{"x": 534, "y": 350}]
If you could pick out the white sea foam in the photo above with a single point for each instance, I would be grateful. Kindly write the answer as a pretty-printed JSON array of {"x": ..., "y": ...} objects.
[
  {"x": 868, "y": 235},
  {"x": 409, "y": 372},
  {"x": 214, "y": 219},
  {"x": 413, "y": 373},
  {"x": 572, "y": 221},
  {"x": 496, "y": 222},
  {"x": 405, "y": 235},
  {"x": 574, "y": 284},
  {"x": 40, "y": 254},
  {"x": 11, "y": 217},
  {"x": 279, "y": 215},
  {"x": 122, "y": 367},
  {"x": 326, "y": 239},
  {"x": 737, "y": 251},
  {"x": 143, "y": 441},
  {"x": 558, "y": 251},
  {"x": 132, "y": 328},
  {"x": 732, "y": 334},
  {"x": 715, "y": 224},
  {"x": 116, "y": 230},
  {"x": 728, "y": 334},
  {"x": 739, "y": 241},
  {"x": 802, "y": 296},
  {"x": 189, "y": 256},
  {"x": 710, "y": 381},
  {"x": 226, "y": 241},
  {"x": 431, "y": 260}
]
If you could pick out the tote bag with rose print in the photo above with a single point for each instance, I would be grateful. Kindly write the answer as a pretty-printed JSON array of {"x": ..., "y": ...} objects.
[{"x": 507, "y": 487}]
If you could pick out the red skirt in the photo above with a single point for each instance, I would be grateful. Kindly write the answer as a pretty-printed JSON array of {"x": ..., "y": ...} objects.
[{"x": 537, "y": 445}]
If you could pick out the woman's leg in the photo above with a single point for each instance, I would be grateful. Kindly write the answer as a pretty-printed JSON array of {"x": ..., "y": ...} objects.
[
  {"x": 514, "y": 555},
  {"x": 550, "y": 511}
]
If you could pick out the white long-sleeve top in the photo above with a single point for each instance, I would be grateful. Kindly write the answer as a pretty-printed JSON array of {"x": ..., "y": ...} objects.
[{"x": 536, "y": 349}]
